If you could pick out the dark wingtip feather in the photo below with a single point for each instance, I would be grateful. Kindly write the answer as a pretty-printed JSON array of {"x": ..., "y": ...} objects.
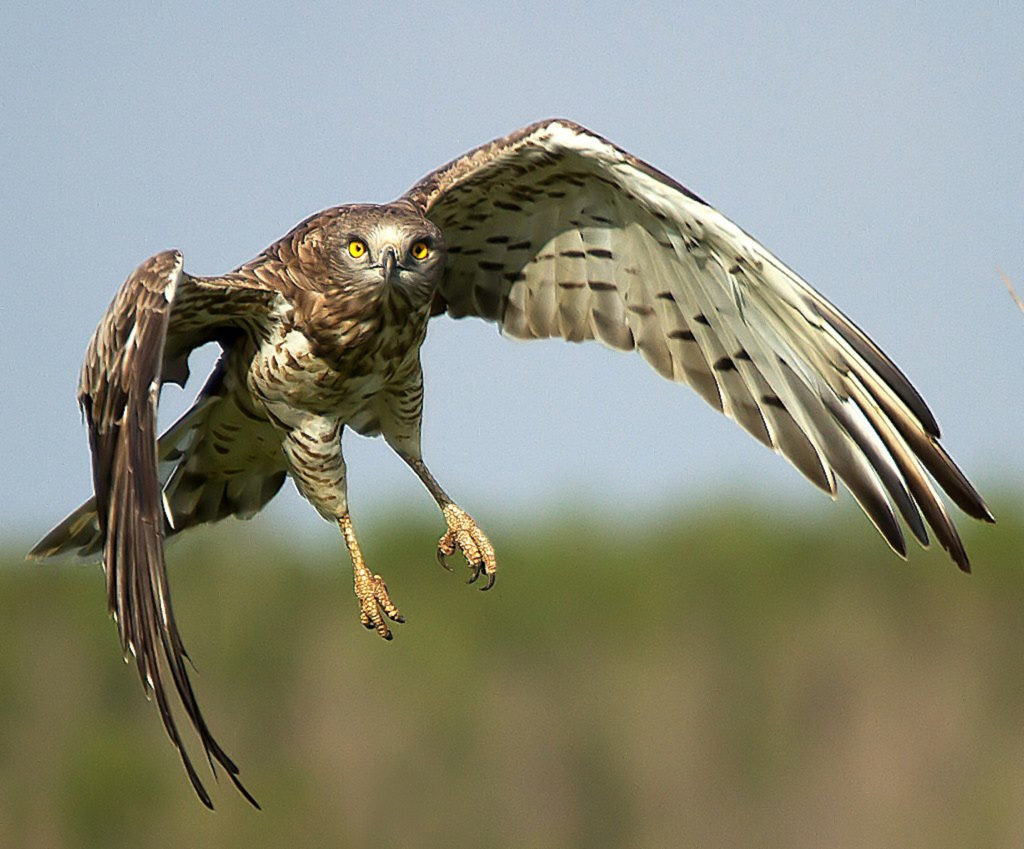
[
  {"x": 877, "y": 360},
  {"x": 244, "y": 791},
  {"x": 951, "y": 543},
  {"x": 955, "y": 549},
  {"x": 951, "y": 478}
]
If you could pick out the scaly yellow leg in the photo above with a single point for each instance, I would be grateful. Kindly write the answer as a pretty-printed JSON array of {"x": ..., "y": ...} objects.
[{"x": 372, "y": 592}]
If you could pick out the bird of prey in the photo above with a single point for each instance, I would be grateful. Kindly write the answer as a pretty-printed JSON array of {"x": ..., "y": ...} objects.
[{"x": 551, "y": 231}]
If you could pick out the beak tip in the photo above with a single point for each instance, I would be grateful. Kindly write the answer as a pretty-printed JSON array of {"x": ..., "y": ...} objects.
[{"x": 389, "y": 258}]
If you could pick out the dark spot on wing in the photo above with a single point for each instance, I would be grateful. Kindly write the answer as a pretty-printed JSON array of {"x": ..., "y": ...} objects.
[{"x": 687, "y": 335}]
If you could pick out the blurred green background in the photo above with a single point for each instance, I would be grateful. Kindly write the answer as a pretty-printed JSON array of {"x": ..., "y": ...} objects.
[{"x": 747, "y": 674}]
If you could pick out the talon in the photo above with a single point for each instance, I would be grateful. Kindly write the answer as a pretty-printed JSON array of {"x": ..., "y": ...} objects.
[
  {"x": 375, "y": 604},
  {"x": 464, "y": 534}
]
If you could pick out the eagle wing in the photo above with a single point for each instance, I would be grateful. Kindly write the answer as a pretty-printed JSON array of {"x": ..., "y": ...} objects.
[
  {"x": 554, "y": 231},
  {"x": 157, "y": 317}
]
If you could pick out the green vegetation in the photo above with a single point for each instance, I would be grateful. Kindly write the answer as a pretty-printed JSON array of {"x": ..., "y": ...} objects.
[{"x": 735, "y": 677}]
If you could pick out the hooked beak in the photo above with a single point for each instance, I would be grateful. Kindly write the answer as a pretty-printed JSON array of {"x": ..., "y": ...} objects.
[{"x": 388, "y": 260}]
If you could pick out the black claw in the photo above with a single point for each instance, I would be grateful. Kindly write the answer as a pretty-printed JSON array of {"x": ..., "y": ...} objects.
[
  {"x": 477, "y": 569},
  {"x": 398, "y": 618},
  {"x": 389, "y": 636},
  {"x": 369, "y": 626},
  {"x": 490, "y": 582},
  {"x": 441, "y": 559}
]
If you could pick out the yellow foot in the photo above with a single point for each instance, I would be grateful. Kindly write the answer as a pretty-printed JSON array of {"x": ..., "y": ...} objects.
[
  {"x": 375, "y": 603},
  {"x": 470, "y": 540}
]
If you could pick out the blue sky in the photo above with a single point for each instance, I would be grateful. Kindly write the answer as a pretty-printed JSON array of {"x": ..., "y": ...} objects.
[{"x": 877, "y": 148}]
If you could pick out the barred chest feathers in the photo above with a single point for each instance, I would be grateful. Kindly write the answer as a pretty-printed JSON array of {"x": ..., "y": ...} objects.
[{"x": 336, "y": 370}]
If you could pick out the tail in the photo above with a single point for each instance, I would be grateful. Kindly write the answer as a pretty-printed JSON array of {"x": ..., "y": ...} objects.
[
  {"x": 79, "y": 533},
  {"x": 218, "y": 460}
]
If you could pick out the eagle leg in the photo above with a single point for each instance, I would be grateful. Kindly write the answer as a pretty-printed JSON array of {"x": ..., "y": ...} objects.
[{"x": 372, "y": 592}]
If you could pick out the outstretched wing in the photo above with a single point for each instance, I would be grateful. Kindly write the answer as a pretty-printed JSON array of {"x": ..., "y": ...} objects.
[
  {"x": 157, "y": 317},
  {"x": 554, "y": 231}
]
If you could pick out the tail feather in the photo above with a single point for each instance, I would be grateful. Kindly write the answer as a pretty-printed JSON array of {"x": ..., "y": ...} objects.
[
  {"x": 218, "y": 460},
  {"x": 79, "y": 533}
]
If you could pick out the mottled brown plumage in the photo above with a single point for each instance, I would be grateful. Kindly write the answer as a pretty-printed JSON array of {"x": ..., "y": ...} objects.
[{"x": 550, "y": 231}]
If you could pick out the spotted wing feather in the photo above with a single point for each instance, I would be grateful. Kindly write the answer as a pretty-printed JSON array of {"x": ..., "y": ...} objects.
[{"x": 554, "y": 231}]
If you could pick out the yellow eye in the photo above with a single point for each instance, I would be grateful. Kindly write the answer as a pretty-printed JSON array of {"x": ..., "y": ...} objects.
[
  {"x": 356, "y": 248},
  {"x": 420, "y": 250}
]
